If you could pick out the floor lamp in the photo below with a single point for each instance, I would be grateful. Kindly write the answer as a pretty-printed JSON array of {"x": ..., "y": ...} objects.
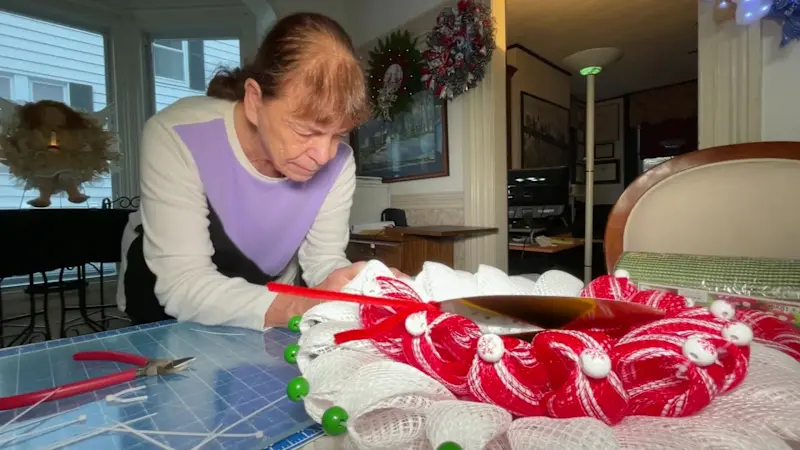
[{"x": 589, "y": 63}]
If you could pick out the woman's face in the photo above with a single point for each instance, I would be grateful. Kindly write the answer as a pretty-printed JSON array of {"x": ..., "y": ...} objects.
[{"x": 296, "y": 147}]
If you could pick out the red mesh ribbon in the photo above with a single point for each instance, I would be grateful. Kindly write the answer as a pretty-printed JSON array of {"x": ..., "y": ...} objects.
[
  {"x": 505, "y": 373},
  {"x": 666, "y": 374},
  {"x": 579, "y": 368},
  {"x": 668, "y": 302},
  {"x": 609, "y": 287},
  {"x": 734, "y": 359},
  {"x": 442, "y": 346},
  {"x": 772, "y": 331},
  {"x": 384, "y": 325}
]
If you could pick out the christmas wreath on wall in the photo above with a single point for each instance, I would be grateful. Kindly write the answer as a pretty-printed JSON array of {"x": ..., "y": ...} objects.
[
  {"x": 460, "y": 47},
  {"x": 394, "y": 74}
]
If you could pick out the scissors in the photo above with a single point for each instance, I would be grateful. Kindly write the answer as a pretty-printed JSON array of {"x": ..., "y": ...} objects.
[{"x": 146, "y": 367}]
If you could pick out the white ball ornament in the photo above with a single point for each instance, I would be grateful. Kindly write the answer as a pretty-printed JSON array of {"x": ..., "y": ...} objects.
[
  {"x": 416, "y": 324},
  {"x": 622, "y": 273},
  {"x": 738, "y": 334},
  {"x": 595, "y": 363},
  {"x": 491, "y": 348},
  {"x": 699, "y": 351},
  {"x": 722, "y": 310}
]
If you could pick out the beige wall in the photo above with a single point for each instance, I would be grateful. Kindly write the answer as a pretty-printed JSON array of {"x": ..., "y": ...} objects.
[
  {"x": 537, "y": 78},
  {"x": 455, "y": 113},
  {"x": 473, "y": 193}
]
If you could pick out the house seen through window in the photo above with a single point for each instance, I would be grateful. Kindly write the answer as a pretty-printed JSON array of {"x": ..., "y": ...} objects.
[
  {"x": 41, "y": 60},
  {"x": 183, "y": 67},
  {"x": 5, "y": 87},
  {"x": 169, "y": 59}
]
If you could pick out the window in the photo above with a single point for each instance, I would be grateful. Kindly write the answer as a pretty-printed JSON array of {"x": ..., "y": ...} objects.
[
  {"x": 169, "y": 59},
  {"x": 44, "y": 60},
  {"x": 48, "y": 91},
  {"x": 5, "y": 87},
  {"x": 183, "y": 68}
]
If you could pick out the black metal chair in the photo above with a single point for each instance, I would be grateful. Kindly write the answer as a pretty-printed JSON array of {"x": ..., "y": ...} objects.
[
  {"x": 61, "y": 239},
  {"x": 129, "y": 204}
]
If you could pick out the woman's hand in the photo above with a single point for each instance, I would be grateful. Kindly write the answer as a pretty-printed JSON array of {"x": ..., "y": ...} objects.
[
  {"x": 284, "y": 307},
  {"x": 339, "y": 278}
]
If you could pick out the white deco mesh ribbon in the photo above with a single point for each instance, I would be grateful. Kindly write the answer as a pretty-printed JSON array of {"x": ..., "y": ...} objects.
[{"x": 393, "y": 406}]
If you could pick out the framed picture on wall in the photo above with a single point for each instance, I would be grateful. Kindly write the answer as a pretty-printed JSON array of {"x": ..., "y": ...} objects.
[
  {"x": 605, "y": 172},
  {"x": 601, "y": 151},
  {"x": 413, "y": 146},
  {"x": 545, "y": 132},
  {"x": 604, "y": 151}
]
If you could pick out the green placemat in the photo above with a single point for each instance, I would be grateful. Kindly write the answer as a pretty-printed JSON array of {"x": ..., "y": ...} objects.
[{"x": 755, "y": 277}]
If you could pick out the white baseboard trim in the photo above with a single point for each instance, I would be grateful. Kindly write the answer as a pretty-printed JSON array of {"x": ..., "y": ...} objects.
[{"x": 440, "y": 200}]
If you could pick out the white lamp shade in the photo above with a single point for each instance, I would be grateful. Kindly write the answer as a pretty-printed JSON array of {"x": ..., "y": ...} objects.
[{"x": 594, "y": 57}]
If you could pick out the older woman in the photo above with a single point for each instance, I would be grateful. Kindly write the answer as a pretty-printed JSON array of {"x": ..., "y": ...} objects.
[{"x": 249, "y": 184}]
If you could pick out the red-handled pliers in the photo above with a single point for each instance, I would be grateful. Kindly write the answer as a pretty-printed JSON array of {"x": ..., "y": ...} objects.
[{"x": 146, "y": 367}]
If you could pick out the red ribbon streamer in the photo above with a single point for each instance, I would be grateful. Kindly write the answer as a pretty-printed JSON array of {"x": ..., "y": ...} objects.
[{"x": 405, "y": 307}]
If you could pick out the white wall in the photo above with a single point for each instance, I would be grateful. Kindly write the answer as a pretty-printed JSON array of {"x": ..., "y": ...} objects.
[
  {"x": 456, "y": 113},
  {"x": 536, "y": 78},
  {"x": 364, "y": 20},
  {"x": 780, "y": 107},
  {"x": 368, "y": 19}
]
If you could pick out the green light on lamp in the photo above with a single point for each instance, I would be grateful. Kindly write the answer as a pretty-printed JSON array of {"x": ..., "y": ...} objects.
[{"x": 591, "y": 70}]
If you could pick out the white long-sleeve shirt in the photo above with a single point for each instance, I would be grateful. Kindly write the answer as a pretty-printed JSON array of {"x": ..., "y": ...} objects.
[{"x": 175, "y": 216}]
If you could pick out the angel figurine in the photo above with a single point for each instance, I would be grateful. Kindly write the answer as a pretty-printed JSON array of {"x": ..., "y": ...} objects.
[{"x": 53, "y": 148}]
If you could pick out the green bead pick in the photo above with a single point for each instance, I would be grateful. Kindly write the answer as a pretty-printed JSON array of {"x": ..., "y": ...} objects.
[
  {"x": 297, "y": 389},
  {"x": 449, "y": 446},
  {"x": 334, "y": 421},
  {"x": 290, "y": 354},
  {"x": 294, "y": 324}
]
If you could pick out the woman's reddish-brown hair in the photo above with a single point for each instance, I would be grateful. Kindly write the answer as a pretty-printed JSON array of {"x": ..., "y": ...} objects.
[{"x": 308, "y": 59}]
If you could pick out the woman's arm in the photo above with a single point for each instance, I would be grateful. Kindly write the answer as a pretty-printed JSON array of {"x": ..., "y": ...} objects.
[
  {"x": 322, "y": 251},
  {"x": 177, "y": 245}
]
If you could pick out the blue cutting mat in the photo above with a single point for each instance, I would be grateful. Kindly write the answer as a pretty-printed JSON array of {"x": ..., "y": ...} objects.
[{"x": 234, "y": 375}]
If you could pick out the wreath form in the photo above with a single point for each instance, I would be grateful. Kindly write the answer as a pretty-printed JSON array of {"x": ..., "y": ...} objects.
[{"x": 397, "y": 55}]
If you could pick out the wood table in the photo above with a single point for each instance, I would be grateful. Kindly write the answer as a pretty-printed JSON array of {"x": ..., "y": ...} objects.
[
  {"x": 407, "y": 248},
  {"x": 564, "y": 242}
]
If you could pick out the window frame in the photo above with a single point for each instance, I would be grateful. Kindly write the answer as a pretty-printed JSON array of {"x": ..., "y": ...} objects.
[
  {"x": 10, "y": 78},
  {"x": 184, "y": 51},
  {"x": 63, "y": 85}
]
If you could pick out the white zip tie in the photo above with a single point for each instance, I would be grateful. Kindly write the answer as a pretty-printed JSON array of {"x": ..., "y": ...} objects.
[
  {"x": 257, "y": 434},
  {"x": 82, "y": 437},
  {"x": 33, "y": 433},
  {"x": 217, "y": 333},
  {"x": 144, "y": 437},
  {"x": 18, "y": 416},
  {"x": 118, "y": 397},
  {"x": 235, "y": 424},
  {"x": 33, "y": 422}
]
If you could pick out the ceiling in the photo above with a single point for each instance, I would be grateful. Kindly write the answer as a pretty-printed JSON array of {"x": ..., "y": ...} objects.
[{"x": 658, "y": 38}]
